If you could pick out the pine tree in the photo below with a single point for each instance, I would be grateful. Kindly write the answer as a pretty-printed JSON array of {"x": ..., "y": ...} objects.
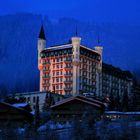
[
  {"x": 117, "y": 102},
  {"x": 112, "y": 102},
  {"x": 125, "y": 101},
  {"x": 37, "y": 114},
  {"x": 49, "y": 100}
]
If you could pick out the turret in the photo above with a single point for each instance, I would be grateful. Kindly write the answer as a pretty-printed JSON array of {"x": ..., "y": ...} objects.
[
  {"x": 76, "y": 58},
  {"x": 41, "y": 40},
  {"x": 99, "y": 50},
  {"x": 41, "y": 45}
]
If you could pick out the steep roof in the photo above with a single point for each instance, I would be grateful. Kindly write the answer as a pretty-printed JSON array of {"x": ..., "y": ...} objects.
[
  {"x": 107, "y": 68},
  {"x": 42, "y": 33},
  {"x": 92, "y": 102}
]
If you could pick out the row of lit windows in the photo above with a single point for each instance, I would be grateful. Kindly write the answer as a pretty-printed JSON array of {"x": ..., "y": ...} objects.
[
  {"x": 57, "y": 73},
  {"x": 87, "y": 61},
  {"x": 56, "y": 87},
  {"x": 57, "y": 80},
  {"x": 56, "y": 53},
  {"x": 57, "y": 66}
]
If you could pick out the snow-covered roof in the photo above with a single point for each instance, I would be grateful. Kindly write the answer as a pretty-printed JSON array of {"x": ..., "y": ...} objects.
[
  {"x": 59, "y": 47},
  {"x": 122, "y": 113},
  {"x": 18, "y": 105},
  {"x": 54, "y": 126},
  {"x": 89, "y": 49}
]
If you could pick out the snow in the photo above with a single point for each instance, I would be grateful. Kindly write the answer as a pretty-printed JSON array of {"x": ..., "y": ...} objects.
[
  {"x": 18, "y": 105},
  {"x": 122, "y": 113},
  {"x": 59, "y": 47},
  {"x": 21, "y": 130},
  {"x": 52, "y": 125}
]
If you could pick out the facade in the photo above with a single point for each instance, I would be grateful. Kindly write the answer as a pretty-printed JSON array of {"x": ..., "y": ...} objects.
[
  {"x": 31, "y": 98},
  {"x": 74, "y": 69},
  {"x": 69, "y": 69},
  {"x": 116, "y": 81}
]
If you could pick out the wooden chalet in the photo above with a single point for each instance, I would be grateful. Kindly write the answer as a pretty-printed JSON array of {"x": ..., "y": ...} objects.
[
  {"x": 13, "y": 116},
  {"x": 76, "y": 106}
]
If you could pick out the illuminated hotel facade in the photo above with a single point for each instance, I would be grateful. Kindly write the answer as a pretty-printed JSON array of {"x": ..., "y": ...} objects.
[{"x": 69, "y": 69}]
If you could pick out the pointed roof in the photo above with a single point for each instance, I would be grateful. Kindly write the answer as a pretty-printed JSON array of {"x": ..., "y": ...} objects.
[
  {"x": 94, "y": 102},
  {"x": 42, "y": 33}
]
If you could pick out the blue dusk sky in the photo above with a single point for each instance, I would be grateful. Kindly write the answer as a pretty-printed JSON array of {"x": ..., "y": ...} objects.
[{"x": 121, "y": 11}]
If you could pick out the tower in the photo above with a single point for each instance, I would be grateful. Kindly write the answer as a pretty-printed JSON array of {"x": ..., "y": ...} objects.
[
  {"x": 41, "y": 46},
  {"x": 76, "y": 59},
  {"x": 99, "y": 50}
]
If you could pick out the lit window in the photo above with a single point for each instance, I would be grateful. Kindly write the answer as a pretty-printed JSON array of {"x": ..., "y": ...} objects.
[
  {"x": 57, "y": 79},
  {"x": 57, "y": 86}
]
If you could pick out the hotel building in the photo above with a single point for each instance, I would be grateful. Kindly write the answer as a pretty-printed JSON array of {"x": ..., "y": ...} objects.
[
  {"x": 73, "y": 69},
  {"x": 69, "y": 69},
  {"x": 116, "y": 81}
]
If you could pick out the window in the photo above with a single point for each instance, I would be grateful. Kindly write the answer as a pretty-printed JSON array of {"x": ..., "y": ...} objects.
[
  {"x": 57, "y": 87},
  {"x": 53, "y": 80},
  {"x": 34, "y": 99},
  {"x": 76, "y": 49},
  {"x": 34, "y": 107},
  {"x": 76, "y": 56},
  {"x": 38, "y": 98},
  {"x": 57, "y": 79},
  {"x": 28, "y": 99}
]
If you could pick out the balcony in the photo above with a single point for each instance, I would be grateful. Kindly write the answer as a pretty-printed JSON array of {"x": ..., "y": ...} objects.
[
  {"x": 46, "y": 70},
  {"x": 68, "y": 81},
  {"x": 68, "y": 88},
  {"x": 68, "y": 61},
  {"x": 68, "y": 74},
  {"x": 68, "y": 68},
  {"x": 46, "y": 77},
  {"x": 46, "y": 84},
  {"x": 46, "y": 63}
]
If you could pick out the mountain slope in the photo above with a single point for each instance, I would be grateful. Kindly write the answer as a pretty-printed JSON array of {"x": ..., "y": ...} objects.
[{"x": 18, "y": 46}]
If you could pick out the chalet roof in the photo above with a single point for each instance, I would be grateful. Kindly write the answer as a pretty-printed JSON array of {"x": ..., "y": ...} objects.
[
  {"x": 42, "y": 33},
  {"x": 20, "y": 111},
  {"x": 13, "y": 107},
  {"x": 93, "y": 102}
]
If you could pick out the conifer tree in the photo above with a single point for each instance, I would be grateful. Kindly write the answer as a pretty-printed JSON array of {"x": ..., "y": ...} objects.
[
  {"x": 125, "y": 101},
  {"x": 117, "y": 102},
  {"x": 37, "y": 114},
  {"x": 112, "y": 102}
]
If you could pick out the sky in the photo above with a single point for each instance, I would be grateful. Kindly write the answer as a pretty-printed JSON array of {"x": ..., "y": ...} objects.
[{"x": 124, "y": 11}]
